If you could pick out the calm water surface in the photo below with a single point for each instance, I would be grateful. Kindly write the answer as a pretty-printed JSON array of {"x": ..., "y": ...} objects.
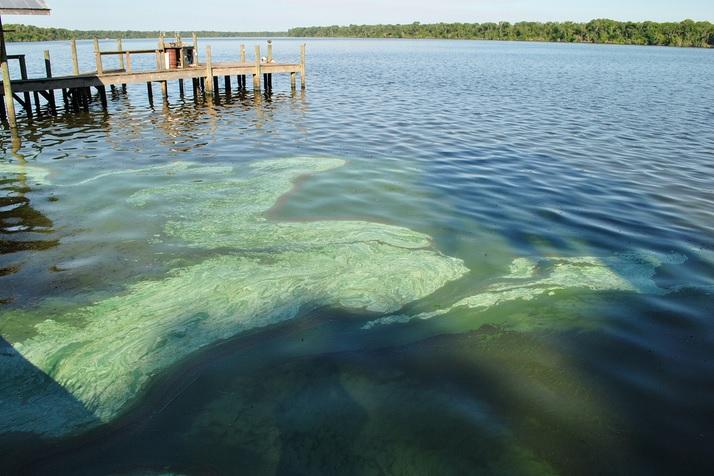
[{"x": 592, "y": 163}]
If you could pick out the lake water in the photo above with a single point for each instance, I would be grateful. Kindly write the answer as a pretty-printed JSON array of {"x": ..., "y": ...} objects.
[{"x": 441, "y": 258}]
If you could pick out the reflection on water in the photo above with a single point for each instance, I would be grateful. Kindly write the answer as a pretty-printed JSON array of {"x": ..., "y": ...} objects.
[
  {"x": 22, "y": 226},
  {"x": 508, "y": 275}
]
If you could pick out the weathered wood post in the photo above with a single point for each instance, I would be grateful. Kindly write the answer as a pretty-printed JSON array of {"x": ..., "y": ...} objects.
[
  {"x": 51, "y": 92},
  {"x": 195, "y": 49},
  {"x": 302, "y": 66},
  {"x": 128, "y": 64},
  {"x": 161, "y": 65},
  {"x": 150, "y": 93},
  {"x": 7, "y": 82},
  {"x": 256, "y": 74},
  {"x": 103, "y": 96},
  {"x": 75, "y": 61},
  {"x": 98, "y": 56},
  {"x": 241, "y": 79},
  {"x": 208, "y": 85},
  {"x": 23, "y": 75},
  {"x": 120, "y": 48},
  {"x": 270, "y": 60}
]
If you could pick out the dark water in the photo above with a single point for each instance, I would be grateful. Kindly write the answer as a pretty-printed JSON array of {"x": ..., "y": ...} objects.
[{"x": 496, "y": 151}]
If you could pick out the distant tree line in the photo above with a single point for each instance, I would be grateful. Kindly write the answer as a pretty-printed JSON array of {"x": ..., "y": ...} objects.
[
  {"x": 685, "y": 33},
  {"x": 34, "y": 33}
]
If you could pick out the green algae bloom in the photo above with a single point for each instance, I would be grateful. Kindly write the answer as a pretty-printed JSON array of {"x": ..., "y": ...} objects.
[
  {"x": 90, "y": 363},
  {"x": 105, "y": 353},
  {"x": 632, "y": 272}
]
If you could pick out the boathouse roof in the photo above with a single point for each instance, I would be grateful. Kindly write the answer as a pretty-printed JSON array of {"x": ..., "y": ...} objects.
[{"x": 24, "y": 7}]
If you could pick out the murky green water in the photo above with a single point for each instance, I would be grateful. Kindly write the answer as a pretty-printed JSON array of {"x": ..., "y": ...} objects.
[{"x": 506, "y": 269}]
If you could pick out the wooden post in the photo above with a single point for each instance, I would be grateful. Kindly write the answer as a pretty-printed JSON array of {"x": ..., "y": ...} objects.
[
  {"x": 302, "y": 66},
  {"x": 256, "y": 74},
  {"x": 209, "y": 72},
  {"x": 180, "y": 81},
  {"x": 293, "y": 80},
  {"x": 23, "y": 75},
  {"x": 103, "y": 96},
  {"x": 7, "y": 82},
  {"x": 195, "y": 49},
  {"x": 160, "y": 66},
  {"x": 51, "y": 92},
  {"x": 242, "y": 53},
  {"x": 150, "y": 93},
  {"x": 75, "y": 62},
  {"x": 98, "y": 56},
  {"x": 270, "y": 60},
  {"x": 228, "y": 83},
  {"x": 120, "y": 48},
  {"x": 85, "y": 99},
  {"x": 128, "y": 63}
]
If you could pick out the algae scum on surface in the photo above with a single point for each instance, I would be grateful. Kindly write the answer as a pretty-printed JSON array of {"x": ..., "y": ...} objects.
[{"x": 87, "y": 365}]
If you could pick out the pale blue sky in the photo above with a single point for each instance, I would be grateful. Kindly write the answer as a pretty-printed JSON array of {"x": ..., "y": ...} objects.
[{"x": 238, "y": 15}]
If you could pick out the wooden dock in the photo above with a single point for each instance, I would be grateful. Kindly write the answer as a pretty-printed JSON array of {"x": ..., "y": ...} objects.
[{"x": 175, "y": 61}]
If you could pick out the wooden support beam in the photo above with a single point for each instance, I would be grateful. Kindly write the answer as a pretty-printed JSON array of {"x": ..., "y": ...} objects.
[
  {"x": 150, "y": 93},
  {"x": 242, "y": 53},
  {"x": 256, "y": 74},
  {"x": 302, "y": 66},
  {"x": 181, "y": 92},
  {"x": 227, "y": 80},
  {"x": 38, "y": 106},
  {"x": 50, "y": 92},
  {"x": 23, "y": 75},
  {"x": 85, "y": 96},
  {"x": 120, "y": 47},
  {"x": 195, "y": 49},
  {"x": 293, "y": 81},
  {"x": 270, "y": 51},
  {"x": 103, "y": 96},
  {"x": 75, "y": 61},
  {"x": 209, "y": 72},
  {"x": 98, "y": 56}
]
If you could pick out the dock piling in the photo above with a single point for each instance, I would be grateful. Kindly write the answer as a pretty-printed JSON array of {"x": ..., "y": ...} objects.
[
  {"x": 208, "y": 85},
  {"x": 150, "y": 93},
  {"x": 302, "y": 66},
  {"x": 98, "y": 56},
  {"x": 103, "y": 96},
  {"x": 75, "y": 61},
  {"x": 7, "y": 83},
  {"x": 51, "y": 92},
  {"x": 256, "y": 75},
  {"x": 23, "y": 75}
]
